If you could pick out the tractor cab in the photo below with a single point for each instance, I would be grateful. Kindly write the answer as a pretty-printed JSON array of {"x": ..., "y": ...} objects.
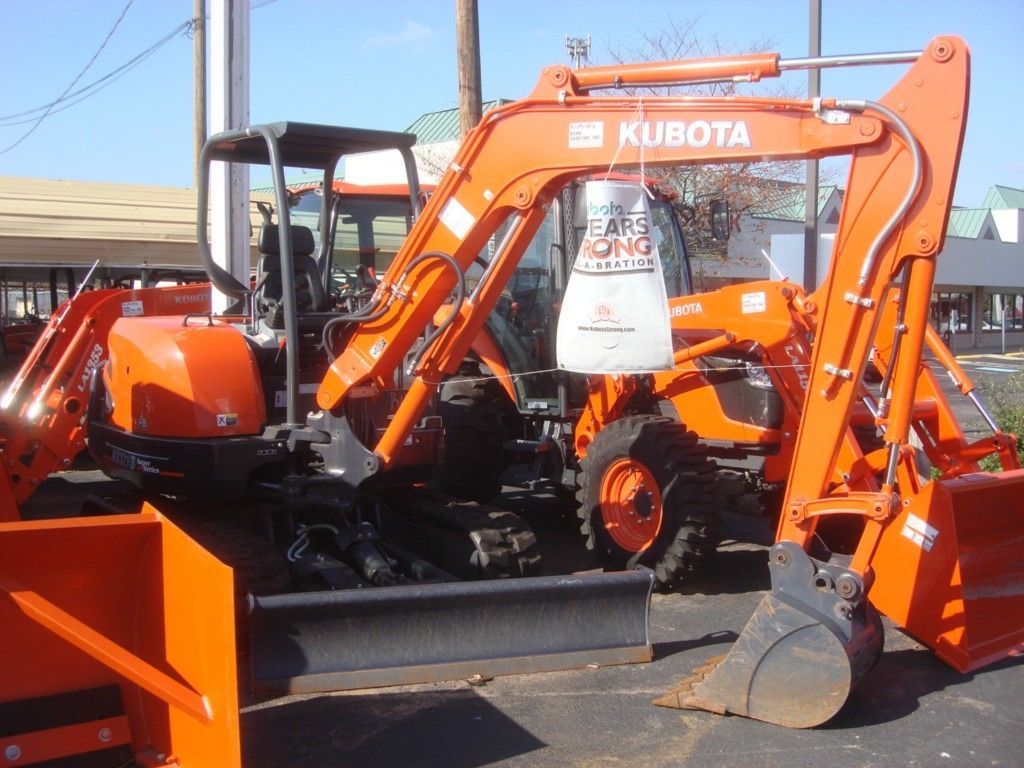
[{"x": 523, "y": 325}]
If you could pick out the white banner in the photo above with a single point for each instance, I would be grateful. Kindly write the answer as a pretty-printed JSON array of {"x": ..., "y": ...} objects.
[{"x": 614, "y": 317}]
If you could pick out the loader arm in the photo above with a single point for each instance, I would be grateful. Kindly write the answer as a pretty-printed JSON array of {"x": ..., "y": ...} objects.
[{"x": 43, "y": 409}]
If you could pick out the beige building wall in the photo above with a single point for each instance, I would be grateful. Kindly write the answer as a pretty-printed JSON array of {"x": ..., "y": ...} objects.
[{"x": 47, "y": 222}]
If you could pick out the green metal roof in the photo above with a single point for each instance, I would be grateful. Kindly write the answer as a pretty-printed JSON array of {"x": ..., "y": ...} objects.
[
  {"x": 291, "y": 180},
  {"x": 966, "y": 222},
  {"x": 1004, "y": 197},
  {"x": 790, "y": 203},
  {"x": 434, "y": 127}
]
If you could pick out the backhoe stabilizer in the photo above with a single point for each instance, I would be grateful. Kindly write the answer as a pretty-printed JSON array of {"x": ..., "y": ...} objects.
[
  {"x": 801, "y": 653},
  {"x": 363, "y": 638}
]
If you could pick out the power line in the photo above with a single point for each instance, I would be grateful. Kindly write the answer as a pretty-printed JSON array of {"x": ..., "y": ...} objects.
[
  {"x": 75, "y": 81},
  {"x": 70, "y": 99}
]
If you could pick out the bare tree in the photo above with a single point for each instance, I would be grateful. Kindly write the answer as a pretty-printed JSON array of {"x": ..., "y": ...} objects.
[{"x": 747, "y": 187}]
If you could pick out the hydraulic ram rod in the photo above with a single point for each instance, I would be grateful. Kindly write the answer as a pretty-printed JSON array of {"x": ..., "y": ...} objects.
[{"x": 723, "y": 69}]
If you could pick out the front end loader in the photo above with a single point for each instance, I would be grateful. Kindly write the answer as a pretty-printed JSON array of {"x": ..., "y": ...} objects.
[{"x": 43, "y": 406}]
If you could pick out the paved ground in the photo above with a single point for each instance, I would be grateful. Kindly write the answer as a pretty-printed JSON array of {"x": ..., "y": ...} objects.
[{"x": 911, "y": 711}]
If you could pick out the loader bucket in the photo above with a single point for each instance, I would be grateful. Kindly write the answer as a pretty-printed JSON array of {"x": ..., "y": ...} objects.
[
  {"x": 116, "y": 647},
  {"x": 950, "y": 569},
  {"x": 799, "y": 656},
  {"x": 364, "y": 638}
]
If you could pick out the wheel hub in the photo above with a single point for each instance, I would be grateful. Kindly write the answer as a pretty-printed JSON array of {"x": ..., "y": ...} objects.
[{"x": 631, "y": 506}]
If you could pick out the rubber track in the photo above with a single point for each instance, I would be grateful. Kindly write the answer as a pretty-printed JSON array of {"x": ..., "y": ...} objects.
[
  {"x": 258, "y": 567},
  {"x": 504, "y": 545}
]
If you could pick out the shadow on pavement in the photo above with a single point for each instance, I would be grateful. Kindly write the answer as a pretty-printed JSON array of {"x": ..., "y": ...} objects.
[
  {"x": 732, "y": 571},
  {"x": 392, "y": 730},
  {"x": 672, "y": 647},
  {"x": 894, "y": 689}
]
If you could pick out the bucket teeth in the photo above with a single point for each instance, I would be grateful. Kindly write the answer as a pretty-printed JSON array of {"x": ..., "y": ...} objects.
[{"x": 681, "y": 695}]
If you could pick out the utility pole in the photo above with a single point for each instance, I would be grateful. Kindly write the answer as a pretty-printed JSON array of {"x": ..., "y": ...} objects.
[
  {"x": 229, "y": 110},
  {"x": 198, "y": 82},
  {"x": 577, "y": 48},
  {"x": 467, "y": 46},
  {"x": 811, "y": 185}
]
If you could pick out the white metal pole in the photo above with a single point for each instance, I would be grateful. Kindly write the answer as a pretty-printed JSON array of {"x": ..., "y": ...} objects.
[
  {"x": 229, "y": 109},
  {"x": 1002, "y": 333}
]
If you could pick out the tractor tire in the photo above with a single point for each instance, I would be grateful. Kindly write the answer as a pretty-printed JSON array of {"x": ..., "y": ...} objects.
[
  {"x": 473, "y": 410},
  {"x": 648, "y": 496}
]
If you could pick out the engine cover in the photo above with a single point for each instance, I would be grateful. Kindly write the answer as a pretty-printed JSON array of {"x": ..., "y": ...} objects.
[{"x": 183, "y": 377}]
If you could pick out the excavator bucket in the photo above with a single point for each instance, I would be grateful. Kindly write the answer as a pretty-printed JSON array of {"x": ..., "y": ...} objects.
[
  {"x": 363, "y": 638},
  {"x": 950, "y": 569},
  {"x": 800, "y": 654},
  {"x": 117, "y": 646}
]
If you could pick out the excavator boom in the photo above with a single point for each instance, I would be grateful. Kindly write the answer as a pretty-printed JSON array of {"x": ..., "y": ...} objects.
[{"x": 904, "y": 154}]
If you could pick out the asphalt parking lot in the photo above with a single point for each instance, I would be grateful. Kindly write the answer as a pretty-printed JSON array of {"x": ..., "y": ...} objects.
[{"x": 912, "y": 710}]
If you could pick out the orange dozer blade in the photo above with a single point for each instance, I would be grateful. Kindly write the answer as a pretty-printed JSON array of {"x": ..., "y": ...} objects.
[
  {"x": 950, "y": 568},
  {"x": 117, "y": 642}
]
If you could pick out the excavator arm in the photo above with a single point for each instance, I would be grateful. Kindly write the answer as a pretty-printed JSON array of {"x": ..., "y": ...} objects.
[
  {"x": 497, "y": 176},
  {"x": 904, "y": 153}
]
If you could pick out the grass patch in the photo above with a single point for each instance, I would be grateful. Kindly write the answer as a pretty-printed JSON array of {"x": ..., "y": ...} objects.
[{"x": 1006, "y": 404}]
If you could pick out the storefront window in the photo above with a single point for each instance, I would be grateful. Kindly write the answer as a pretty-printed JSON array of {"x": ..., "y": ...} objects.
[
  {"x": 951, "y": 312},
  {"x": 1003, "y": 308}
]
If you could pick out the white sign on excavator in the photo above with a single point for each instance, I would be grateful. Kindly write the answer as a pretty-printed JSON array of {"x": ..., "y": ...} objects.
[{"x": 678, "y": 133}]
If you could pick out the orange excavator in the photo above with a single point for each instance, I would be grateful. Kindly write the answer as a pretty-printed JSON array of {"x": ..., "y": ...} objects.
[{"x": 324, "y": 415}]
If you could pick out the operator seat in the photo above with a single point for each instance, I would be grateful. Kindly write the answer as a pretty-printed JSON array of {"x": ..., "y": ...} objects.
[{"x": 310, "y": 295}]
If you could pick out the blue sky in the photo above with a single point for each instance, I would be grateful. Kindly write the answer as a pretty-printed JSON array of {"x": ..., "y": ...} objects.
[{"x": 382, "y": 64}]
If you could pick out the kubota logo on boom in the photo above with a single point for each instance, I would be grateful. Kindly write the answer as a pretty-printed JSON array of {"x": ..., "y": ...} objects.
[{"x": 677, "y": 133}]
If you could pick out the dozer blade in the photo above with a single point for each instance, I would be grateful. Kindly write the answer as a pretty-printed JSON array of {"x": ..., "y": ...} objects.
[
  {"x": 117, "y": 646},
  {"x": 950, "y": 569},
  {"x": 800, "y": 654},
  {"x": 365, "y": 638}
]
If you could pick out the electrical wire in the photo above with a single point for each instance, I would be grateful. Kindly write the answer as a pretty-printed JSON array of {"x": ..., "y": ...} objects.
[
  {"x": 88, "y": 90},
  {"x": 74, "y": 82},
  {"x": 543, "y": 371},
  {"x": 70, "y": 98}
]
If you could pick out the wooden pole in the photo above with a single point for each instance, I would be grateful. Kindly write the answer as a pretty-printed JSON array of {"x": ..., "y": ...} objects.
[
  {"x": 467, "y": 43},
  {"x": 198, "y": 82}
]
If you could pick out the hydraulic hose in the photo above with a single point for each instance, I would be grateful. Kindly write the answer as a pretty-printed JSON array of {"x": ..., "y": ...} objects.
[{"x": 367, "y": 314}]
